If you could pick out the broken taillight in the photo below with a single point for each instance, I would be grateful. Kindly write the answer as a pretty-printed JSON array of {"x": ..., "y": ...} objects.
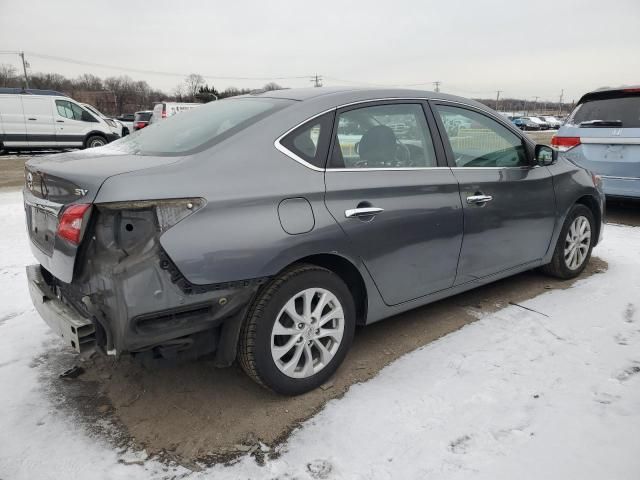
[{"x": 71, "y": 222}]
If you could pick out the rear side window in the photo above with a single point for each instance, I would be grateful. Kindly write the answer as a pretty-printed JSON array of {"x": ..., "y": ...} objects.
[
  {"x": 625, "y": 109},
  {"x": 200, "y": 127},
  {"x": 310, "y": 142}
]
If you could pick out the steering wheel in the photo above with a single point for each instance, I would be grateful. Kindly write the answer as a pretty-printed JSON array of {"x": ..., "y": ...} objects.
[{"x": 403, "y": 156}]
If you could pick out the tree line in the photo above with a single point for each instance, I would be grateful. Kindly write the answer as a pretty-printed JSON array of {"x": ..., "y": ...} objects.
[{"x": 121, "y": 94}]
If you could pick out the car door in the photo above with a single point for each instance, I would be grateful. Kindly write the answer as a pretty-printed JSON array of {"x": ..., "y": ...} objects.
[
  {"x": 508, "y": 202},
  {"x": 13, "y": 131},
  {"x": 396, "y": 200},
  {"x": 38, "y": 114},
  {"x": 72, "y": 123}
]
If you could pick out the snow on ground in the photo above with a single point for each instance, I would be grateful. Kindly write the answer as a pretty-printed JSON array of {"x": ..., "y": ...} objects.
[{"x": 518, "y": 394}]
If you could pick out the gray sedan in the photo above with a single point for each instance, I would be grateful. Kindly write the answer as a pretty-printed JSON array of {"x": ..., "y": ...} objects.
[{"x": 266, "y": 227}]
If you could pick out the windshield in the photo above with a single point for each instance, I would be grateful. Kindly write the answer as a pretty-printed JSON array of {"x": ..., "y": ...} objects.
[
  {"x": 143, "y": 116},
  {"x": 93, "y": 110},
  {"x": 625, "y": 109},
  {"x": 199, "y": 128}
]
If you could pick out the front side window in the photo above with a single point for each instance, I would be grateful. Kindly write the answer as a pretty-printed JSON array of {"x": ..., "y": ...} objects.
[
  {"x": 64, "y": 109},
  {"x": 383, "y": 136},
  {"x": 479, "y": 141},
  {"x": 74, "y": 112}
]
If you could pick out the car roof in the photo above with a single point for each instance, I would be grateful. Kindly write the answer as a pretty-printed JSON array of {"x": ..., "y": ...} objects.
[{"x": 342, "y": 95}]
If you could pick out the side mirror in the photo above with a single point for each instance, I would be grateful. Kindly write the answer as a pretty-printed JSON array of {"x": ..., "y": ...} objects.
[{"x": 545, "y": 155}]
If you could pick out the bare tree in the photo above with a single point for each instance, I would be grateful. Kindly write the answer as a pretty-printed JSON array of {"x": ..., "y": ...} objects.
[
  {"x": 193, "y": 83},
  {"x": 272, "y": 86},
  {"x": 90, "y": 82},
  {"x": 7, "y": 75},
  {"x": 124, "y": 88}
]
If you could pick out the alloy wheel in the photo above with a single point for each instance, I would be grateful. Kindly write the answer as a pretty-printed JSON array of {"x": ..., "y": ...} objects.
[
  {"x": 577, "y": 243},
  {"x": 307, "y": 333}
]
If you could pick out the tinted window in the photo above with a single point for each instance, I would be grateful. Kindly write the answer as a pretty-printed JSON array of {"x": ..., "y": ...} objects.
[
  {"x": 310, "y": 141},
  {"x": 479, "y": 141},
  {"x": 625, "y": 109},
  {"x": 200, "y": 127},
  {"x": 383, "y": 136}
]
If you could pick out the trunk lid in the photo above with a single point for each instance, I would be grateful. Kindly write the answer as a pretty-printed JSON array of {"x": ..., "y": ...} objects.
[{"x": 52, "y": 183}]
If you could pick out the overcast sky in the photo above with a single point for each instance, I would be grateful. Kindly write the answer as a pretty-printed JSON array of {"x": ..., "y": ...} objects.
[{"x": 524, "y": 48}]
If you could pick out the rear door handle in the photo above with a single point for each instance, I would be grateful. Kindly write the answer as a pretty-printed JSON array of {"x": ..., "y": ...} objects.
[
  {"x": 363, "y": 212},
  {"x": 31, "y": 118},
  {"x": 479, "y": 199}
]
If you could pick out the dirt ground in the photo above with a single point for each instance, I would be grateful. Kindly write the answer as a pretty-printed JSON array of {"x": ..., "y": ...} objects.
[{"x": 193, "y": 412}]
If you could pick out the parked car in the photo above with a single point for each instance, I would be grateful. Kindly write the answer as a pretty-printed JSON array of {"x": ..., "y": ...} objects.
[
  {"x": 552, "y": 121},
  {"x": 603, "y": 134},
  {"x": 35, "y": 119},
  {"x": 141, "y": 119},
  {"x": 524, "y": 123},
  {"x": 124, "y": 130},
  {"x": 162, "y": 110},
  {"x": 127, "y": 120},
  {"x": 537, "y": 120},
  {"x": 252, "y": 227}
]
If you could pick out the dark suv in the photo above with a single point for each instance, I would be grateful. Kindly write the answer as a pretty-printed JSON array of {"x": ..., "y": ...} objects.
[{"x": 266, "y": 227}]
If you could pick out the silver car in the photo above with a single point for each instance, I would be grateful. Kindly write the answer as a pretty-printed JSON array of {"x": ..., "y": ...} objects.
[
  {"x": 266, "y": 227},
  {"x": 602, "y": 134}
]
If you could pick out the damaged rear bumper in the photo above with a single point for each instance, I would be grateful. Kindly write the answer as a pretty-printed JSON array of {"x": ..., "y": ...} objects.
[{"x": 77, "y": 331}]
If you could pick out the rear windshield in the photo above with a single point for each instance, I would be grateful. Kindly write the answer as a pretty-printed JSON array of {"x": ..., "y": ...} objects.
[
  {"x": 143, "y": 117},
  {"x": 625, "y": 109},
  {"x": 199, "y": 128}
]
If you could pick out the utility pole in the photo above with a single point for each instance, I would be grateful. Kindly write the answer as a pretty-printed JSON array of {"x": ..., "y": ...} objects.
[
  {"x": 535, "y": 104},
  {"x": 436, "y": 86},
  {"x": 316, "y": 80},
  {"x": 498, "y": 92},
  {"x": 561, "y": 95},
  {"x": 24, "y": 68}
]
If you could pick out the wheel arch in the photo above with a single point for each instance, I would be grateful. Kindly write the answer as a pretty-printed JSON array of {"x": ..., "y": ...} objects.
[
  {"x": 592, "y": 204},
  {"x": 349, "y": 274},
  {"x": 94, "y": 133}
]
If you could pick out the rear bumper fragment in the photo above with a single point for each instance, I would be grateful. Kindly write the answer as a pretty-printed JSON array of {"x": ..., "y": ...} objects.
[{"x": 77, "y": 331}]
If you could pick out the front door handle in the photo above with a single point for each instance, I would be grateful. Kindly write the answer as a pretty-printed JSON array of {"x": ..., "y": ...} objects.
[
  {"x": 479, "y": 199},
  {"x": 363, "y": 212},
  {"x": 60, "y": 121},
  {"x": 31, "y": 118}
]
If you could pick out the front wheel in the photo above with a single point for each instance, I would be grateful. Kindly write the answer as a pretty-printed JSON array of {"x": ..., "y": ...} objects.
[
  {"x": 95, "y": 141},
  {"x": 298, "y": 330},
  {"x": 574, "y": 245}
]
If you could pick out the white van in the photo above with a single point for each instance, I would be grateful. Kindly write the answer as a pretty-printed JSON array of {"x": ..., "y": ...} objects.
[
  {"x": 33, "y": 119},
  {"x": 162, "y": 110}
]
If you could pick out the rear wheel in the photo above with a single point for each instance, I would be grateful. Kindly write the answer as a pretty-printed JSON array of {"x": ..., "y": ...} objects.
[
  {"x": 574, "y": 246},
  {"x": 298, "y": 330},
  {"x": 95, "y": 141}
]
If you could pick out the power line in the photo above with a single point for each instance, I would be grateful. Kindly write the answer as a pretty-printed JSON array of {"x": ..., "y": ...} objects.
[{"x": 158, "y": 72}]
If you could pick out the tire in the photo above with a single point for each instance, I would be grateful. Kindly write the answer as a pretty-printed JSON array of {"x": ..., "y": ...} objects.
[
  {"x": 291, "y": 363},
  {"x": 563, "y": 265},
  {"x": 95, "y": 141}
]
